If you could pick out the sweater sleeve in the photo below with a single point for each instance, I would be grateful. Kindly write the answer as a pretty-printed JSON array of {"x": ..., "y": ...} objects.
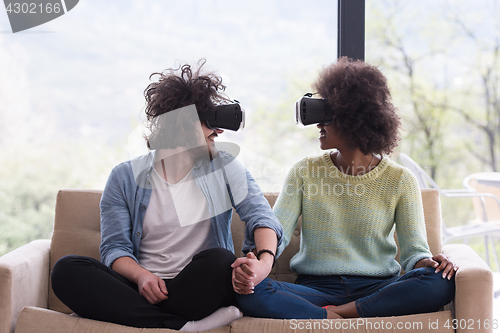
[
  {"x": 288, "y": 206},
  {"x": 410, "y": 224}
]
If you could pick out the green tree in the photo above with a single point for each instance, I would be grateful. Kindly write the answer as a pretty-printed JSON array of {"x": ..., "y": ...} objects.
[
  {"x": 479, "y": 88},
  {"x": 32, "y": 174},
  {"x": 415, "y": 44},
  {"x": 404, "y": 49}
]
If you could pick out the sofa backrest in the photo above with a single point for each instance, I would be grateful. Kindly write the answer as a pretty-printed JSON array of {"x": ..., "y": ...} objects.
[{"x": 77, "y": 231}]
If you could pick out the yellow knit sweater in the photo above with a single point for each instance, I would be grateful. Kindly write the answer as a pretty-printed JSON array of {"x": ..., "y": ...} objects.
[{"x": 348, "y": 221}]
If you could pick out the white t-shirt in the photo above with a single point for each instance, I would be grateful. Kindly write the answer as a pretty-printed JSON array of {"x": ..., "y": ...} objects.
[{"x": 176, "y": 226}]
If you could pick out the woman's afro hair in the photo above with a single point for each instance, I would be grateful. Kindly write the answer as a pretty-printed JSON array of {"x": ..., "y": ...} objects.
[{"x": 363, "y": 113}]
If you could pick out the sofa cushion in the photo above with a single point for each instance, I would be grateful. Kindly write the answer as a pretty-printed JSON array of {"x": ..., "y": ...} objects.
[
  {"x": 37, "y": 320},
  {"x": 428, "y": 322}
]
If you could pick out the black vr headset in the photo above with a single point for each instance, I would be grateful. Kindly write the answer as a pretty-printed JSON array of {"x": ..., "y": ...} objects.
[
  {"x": 310, "y": 111},
  {"x": 227, "y": 116}
]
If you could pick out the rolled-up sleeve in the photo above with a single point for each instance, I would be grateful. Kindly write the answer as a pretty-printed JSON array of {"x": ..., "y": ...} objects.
[
  {"x": 250, "y": 203},
  {"x": 116, "y": 223}
]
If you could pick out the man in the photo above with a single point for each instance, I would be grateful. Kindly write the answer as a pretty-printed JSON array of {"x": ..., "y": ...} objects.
[{"x": 166, "y": 245}]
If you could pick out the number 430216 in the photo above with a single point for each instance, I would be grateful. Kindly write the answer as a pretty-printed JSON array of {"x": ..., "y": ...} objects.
[
  {"x": 33, "y": 8},
  {"x": 471, "y": 324}
]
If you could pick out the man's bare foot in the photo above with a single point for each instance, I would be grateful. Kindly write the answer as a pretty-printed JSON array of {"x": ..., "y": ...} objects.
[{"x": 331, "y": 314}]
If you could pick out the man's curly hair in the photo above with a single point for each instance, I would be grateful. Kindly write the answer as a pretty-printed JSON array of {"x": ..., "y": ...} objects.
[
  {"x": 177, "y": 88},
  {"x": 363, "y": 113}
]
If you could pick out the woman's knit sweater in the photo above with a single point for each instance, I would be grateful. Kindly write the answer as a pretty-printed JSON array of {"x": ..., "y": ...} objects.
[{"x": 348, "y": 221}]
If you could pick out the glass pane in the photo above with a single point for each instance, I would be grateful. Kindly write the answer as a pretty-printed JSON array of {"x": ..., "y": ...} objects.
[{"x": 71, "y": 89}]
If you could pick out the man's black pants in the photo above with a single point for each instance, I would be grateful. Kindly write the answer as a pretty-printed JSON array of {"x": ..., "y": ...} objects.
[{"x": 95, "y": 291}]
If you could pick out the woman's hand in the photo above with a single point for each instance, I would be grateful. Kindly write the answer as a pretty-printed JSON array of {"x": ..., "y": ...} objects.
[
  {"x": 441, "y": 263},
  {"x": 249, "y": 271},
  {"x": 152, "y": 288}
]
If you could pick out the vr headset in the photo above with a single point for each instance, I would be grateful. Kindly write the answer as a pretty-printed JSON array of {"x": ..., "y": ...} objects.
[
  {"x": 310, "y": 111},
  {"x": 227, "y": 116}
]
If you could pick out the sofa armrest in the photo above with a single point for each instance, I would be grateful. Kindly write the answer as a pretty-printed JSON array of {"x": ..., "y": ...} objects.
[
  {"x": 24, "y": 281},
  {"x": 473, "y": 302}
]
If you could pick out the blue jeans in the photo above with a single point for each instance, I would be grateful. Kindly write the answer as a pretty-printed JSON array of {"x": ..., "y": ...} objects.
[{"x": 418, "y": 291}]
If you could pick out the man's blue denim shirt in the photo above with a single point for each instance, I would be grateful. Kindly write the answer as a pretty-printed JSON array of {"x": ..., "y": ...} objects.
[{"x": 224, "y": 181}]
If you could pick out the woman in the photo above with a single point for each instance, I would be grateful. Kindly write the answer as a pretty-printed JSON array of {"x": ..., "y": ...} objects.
[
  {"x": 166, "y": 245},
  {"x": 351, "y": 199}
]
